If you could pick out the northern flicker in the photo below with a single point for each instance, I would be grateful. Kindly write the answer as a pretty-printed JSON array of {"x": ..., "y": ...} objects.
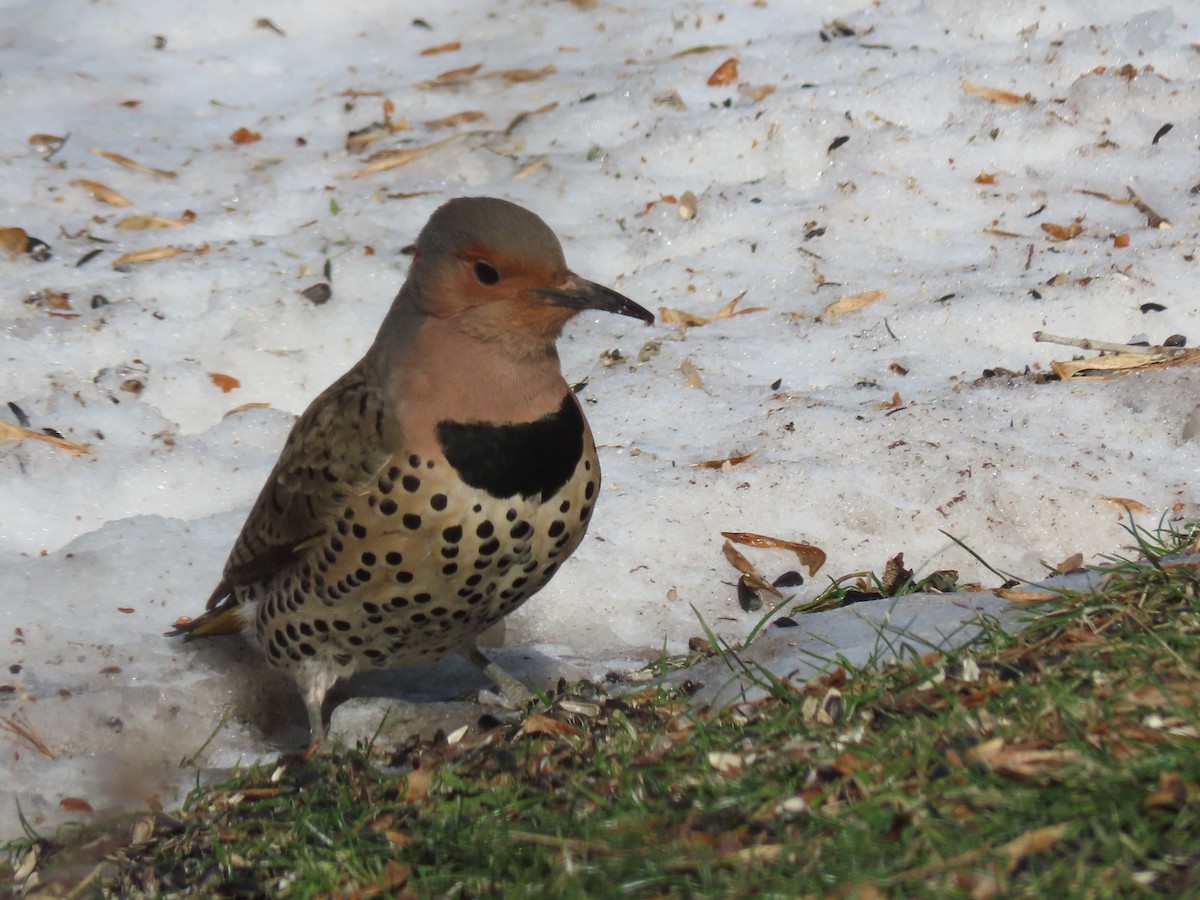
[{"x": 437, "y": 485}]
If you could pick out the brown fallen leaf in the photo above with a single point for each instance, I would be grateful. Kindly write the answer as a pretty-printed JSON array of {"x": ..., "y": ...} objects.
[
  {"x": 993, "y": 94},
  {"x": 1114, "y": 364},
  {"x": 1062, "y": 232},
  {"x": 470, "y": 115},
  {"x": 526, "y": 114},
  {"x": 130, "y": 163},
  {"x": 417, "y": 784},
  {"x": 729, "y": 461},
  {"x": 756, "y": 93},
  {"x": 1026, "y": 596},
  {"x": 452, "y": 78},
  {"x": 245, "y": 136},
  {"x": 244, "y": 407},
  {"x": 145, "y": 223},
  {"x": 725, "y": 73},
  {"x": 17, "y": 433},
  {"x": 226, "y": 383},
  {"x": 102, "y": 192},
  {"x": 547, "y": 725},
  {"x": 693, "y": 320},
  {"x": 1172, "y": 792},
  {"x": 985, "y": 178},
  {"x": 851, "y": 303},
  {"x": 754, "y": 578},
  {"x": 391, "y": 159},
  {"x": 442, "y": 48},
  {"x": 518, "y": 76},
  {"x": 1070, "y": 564},
  {"x": 14, "y": 240},
  {"x": 48, "y": 143},
  {"x": 692, "y": 374},
  {"x": 681, "y": 317},
  {"x": 894, "y": 403},
  {"x": 150, "y": 254},
  {"x": 810, "y": 556},
  {"x": 1020, "y": 762},
  {"x": 1126, "y": 503}
]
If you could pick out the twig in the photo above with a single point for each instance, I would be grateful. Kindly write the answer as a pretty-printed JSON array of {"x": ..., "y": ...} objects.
[
  {"x": 1153, "y": 219},
  {"x": 1105, "y": 346}
]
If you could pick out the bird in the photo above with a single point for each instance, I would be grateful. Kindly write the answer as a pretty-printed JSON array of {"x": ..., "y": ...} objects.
[{"x": 437, "y": 485}]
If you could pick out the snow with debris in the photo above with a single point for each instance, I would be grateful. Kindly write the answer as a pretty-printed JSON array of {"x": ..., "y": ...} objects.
[{"x": 905, "y": 154}]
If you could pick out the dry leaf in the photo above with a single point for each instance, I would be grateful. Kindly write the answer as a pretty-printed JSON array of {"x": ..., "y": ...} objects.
[
  {"x": 681, "y": 317},
  {"x": 1126, "y": 503},
  {"x": 756, "y": 93},
  {"x": 547, "y": 725},
  {"x": 1111, "y": 365},
  {"x": 1015, "y": 596},
  {"x": 725, "y": 73},
  {"x": 996, "y": 96},
  {"x": 524, "y": 115},
  {"x": 470, "y": 115},
  {"x": 730, "y": 765},
  {"x": 692, "y": 374},
  {"x": 1062, "y": 232},
  {"x": 102, "y": 192},
  {"x": 14, "y": 240},
  {"x": 985, "y": 178},
  {"x": 442, "y": 48},
  {"x": 728, "y": 462},
  {"x": 452, "y": 78},
  {"x": 417, "y": 784},
  {"x": 226, "y": 383},
  {"x": 244, "y": 407},
  {"x": 530, "y": 167},
  {"x": 245, "y": 136},
  {"x": 754, "y": 578},
  {"x": 145, "y": 223},
  {"x": 1172, "y": 792},
  {"x": 1020, "y": 762},
  {"x": 150, "y": 254},
  {"x": 57, "y": 299},
  {"x": 51, "y": 143},
  {"x": 1070, "y": 564},
  {"x": 129, "y": 163},
  {"x": 692, "y": 320},
  {"x": 810, "y": 556},
  {"x": 17, "y": 433},
  {"x": 391, "y": 159},
  {"x": 852, "y": 303},
  {"x": 517, "y": 76},
  {"x": 1037, "y": 841}
]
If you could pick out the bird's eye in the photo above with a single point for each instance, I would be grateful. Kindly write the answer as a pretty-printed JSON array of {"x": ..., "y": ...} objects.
[{"x": 486, "y": 273}]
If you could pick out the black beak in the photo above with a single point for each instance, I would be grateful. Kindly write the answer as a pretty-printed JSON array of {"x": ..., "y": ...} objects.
[{"x": 578, "y": 293}]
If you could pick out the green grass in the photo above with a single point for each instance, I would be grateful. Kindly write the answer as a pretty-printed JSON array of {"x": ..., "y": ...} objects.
[{"x": 1063, "y": 761}]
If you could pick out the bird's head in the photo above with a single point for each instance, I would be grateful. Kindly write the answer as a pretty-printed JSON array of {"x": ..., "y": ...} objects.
[{"x": 497, "y": 272}]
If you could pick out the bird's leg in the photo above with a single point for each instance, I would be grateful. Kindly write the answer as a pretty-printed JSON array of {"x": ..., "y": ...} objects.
[
  {"x": 511, "y": 690},
  {"x": 314, "y": 680}
]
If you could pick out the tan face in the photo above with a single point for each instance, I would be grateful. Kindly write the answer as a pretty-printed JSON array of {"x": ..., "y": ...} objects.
[{"x": 499, "y": 298}]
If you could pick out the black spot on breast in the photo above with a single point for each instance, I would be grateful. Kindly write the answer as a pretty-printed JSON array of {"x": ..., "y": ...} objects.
[{"x": 526, "y": 458}]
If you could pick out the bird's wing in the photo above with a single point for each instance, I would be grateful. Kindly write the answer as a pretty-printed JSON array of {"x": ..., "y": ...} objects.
[{"x": 334, "y": 450}]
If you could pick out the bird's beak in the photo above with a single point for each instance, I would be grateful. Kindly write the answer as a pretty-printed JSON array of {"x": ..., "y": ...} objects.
[{"x": 578, "y": 293}]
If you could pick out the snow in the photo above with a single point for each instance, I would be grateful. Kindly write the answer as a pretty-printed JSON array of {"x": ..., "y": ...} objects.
[{"x": 99, "y": 553}]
